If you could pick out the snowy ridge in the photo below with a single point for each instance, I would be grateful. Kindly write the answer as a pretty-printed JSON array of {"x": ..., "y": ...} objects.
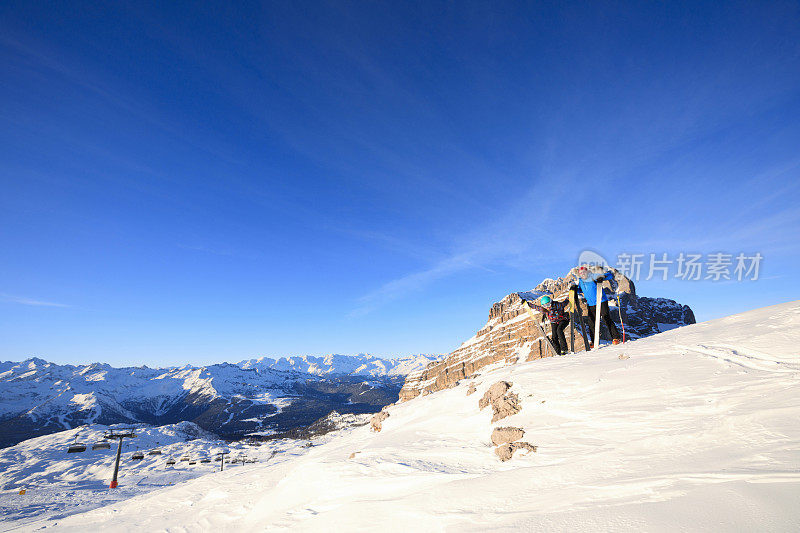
[
  {"x": 335, "y": 364},
  {"x": 671, "y": 432}
]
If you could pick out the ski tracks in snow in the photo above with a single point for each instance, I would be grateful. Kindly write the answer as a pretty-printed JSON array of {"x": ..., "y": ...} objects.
[{"x": 745, "y": 358}]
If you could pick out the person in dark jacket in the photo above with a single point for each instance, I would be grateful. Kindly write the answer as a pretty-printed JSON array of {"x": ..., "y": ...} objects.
[
  {"x": 587, "y": 285},
  {"x": 559, "y": 320}
]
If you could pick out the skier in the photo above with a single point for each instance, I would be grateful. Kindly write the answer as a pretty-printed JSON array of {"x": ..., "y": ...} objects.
[
  {"x": 559, "y": 319},
  {"x": 588, "y": 286}
]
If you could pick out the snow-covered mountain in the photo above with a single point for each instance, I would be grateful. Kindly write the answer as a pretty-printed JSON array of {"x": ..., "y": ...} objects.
[
  {"x": 335, "y": 364},
  {"x": 692, "y": 429},
  {"x": 258, "y": 396}
]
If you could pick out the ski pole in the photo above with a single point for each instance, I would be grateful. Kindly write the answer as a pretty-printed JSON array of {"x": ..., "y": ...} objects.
[{"x": 619, "y": 308}]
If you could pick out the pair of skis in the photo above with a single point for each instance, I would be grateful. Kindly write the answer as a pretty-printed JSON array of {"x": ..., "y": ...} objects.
[
  {"x": 539, "y": 327},
  {"x": 575, "y": 310}
]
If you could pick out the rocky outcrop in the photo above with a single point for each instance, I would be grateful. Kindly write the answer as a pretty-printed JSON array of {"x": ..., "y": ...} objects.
[
  {"x": 506, "y": 451},
  {"x": 503, "y": 404},
  {"x": 377, "y": 421},
  {"x": 506, "y": 435},
  {"x": 510, "y": 335},
  {"x": 472, "y": 389},
  {"x": 506, "y": 406},
  {"x": 493, "y": 393}
]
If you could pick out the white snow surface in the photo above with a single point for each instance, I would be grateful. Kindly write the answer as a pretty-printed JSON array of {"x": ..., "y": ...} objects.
[{"x": 692, "y": 429}]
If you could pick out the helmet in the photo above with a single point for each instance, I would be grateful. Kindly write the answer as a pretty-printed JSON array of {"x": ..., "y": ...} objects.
[{"x": 546, "y": 301}]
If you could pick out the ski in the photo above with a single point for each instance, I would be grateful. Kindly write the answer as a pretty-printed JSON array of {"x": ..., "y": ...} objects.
[
  {"x": 575, "y": 305},
  {"x": 621, "y": 322},
  {"x": 597, "y": 307},
  {"x": 583, "y": 330},
  {"x": 549, "y": 342},
  {"x": 571, "y": 329},
  {"x": 539, "y": 327}
]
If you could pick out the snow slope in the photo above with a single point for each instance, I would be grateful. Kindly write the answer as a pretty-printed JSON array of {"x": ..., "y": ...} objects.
[
  {"x": 58, "y": 484},
  {"x": 692, "y": 429}
]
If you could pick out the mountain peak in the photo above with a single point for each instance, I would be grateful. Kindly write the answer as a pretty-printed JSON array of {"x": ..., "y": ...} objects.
[{"x": 34, "y": 362}]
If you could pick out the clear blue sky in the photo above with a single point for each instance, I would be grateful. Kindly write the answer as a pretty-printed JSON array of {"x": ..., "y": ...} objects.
[{"x": 198, "y": 182}]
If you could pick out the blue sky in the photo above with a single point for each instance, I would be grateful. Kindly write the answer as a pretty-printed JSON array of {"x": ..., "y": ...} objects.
[{"x": 199, "y": 183}]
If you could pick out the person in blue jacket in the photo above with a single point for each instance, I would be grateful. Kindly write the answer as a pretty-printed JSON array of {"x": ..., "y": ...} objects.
[{"x": 587, "y": 285}]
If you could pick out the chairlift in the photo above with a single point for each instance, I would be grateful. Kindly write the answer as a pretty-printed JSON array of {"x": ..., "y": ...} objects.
[
  {"x": 184, "y": 458},
  {"x": 119, "y": 433},
  {"x": 76, "y": 446},
  {"x": 170, "y": 462},
  {"x": 137, "y": 456},
  {"x": 192, "y": 463},
  {"x": 101, "y": 445},
  {"x": 154, "y": 452},
  {"x": 218, "y": 459},
  {"x": 205, "y": 460}
]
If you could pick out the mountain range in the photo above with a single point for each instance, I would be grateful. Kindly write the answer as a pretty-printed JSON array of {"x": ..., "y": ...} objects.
[{"x": 259, "y": 398}]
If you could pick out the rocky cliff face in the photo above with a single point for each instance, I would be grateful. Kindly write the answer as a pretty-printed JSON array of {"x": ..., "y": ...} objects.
[{"x": 510, "y": 335}]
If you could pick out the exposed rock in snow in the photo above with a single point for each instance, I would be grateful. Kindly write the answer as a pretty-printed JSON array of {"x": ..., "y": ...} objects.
[
  {"x": 503, "y": 404},
  {"x": 506, "y": 451},
  {"x": 506, "y": 435},
  {"x": 377, "y": 420},
  {"x": 494, "y": 392}
]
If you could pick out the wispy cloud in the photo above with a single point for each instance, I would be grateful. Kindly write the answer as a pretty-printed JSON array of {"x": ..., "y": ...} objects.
[
  {"x": 22, "y": 300},
  {"x": 514, "y": 237}
]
